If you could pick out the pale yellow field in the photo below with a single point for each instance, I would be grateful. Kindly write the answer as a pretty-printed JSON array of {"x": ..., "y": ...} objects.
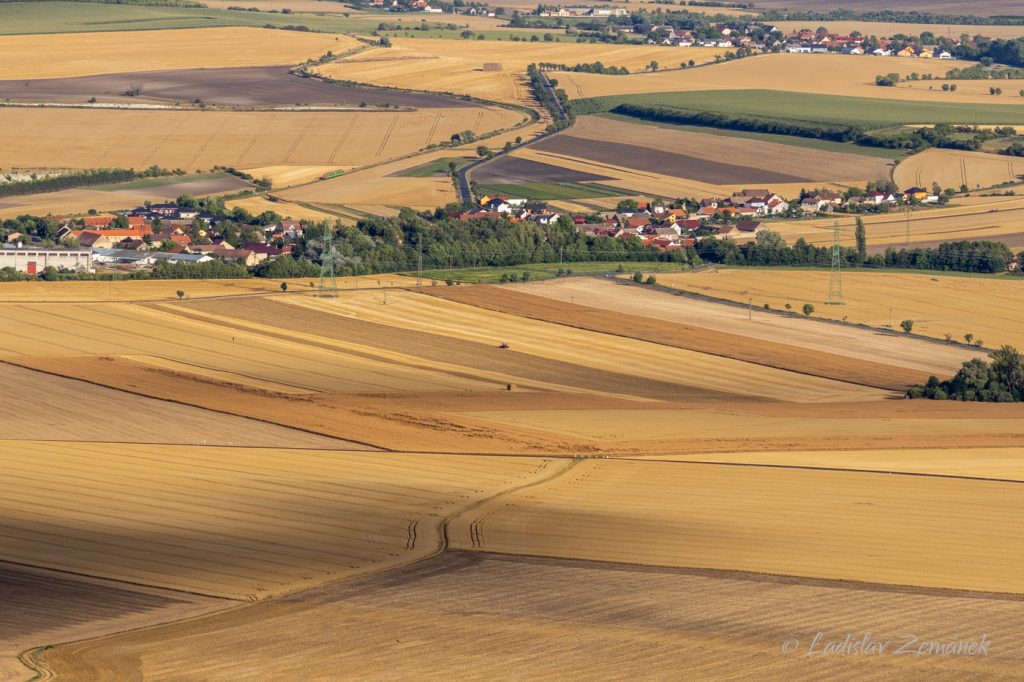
[
  {"x": 126, "y": 290},
  {"x": 827, "y": 74},
  {"x": 882, "y": 29},
  {"x": 457, "y": 65},
  {"x": 953, "y": 168},
  {"x": 286, "y": 176},
  {"x": 938, "y": 305},
  {"x": 380, "y": 185},
  {"x": 84, "y": 54},
  {"x": 76, "y": 201},
  {"x": 589, "y": 349},
  {"x": 879, "y": 528},
  {"x": 286, "y": 209},
  {"x": 202, "y": 139},
  {"x": 996, "y": 218},
  {"x": 238, "y": 523}
]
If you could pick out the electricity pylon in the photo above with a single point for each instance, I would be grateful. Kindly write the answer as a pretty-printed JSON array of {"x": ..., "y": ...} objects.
[
  {"x": 328, "y": 282},
  {"x": 835, "y": 278}
]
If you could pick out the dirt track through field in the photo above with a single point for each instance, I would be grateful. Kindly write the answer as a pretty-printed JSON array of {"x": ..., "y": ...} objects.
[{"x": 460, "y": 614}]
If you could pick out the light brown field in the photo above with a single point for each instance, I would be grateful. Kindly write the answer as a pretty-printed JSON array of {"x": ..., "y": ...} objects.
[
  {"x": 826, "y": 74},
  {"x": 937, "y": 304},
  {"x": 84, "y": 54},
  {"x": 457, "y": 65},
  {"x": 953, "y": 168},
  {"x": 237, "y": 523},
  {"x": 75, "y": 201},
  {"x": 459, "y": 615},
  {"x": 824, "y": 524},
  {"x": 286, "y": 176},
  {"x": 884, "y": 29},
  {"x": 995, "y": 218},
  {"x": 707, "y": 456},
  {"x": 64, "y": 138},
  {"x": 68, "y": 410}
]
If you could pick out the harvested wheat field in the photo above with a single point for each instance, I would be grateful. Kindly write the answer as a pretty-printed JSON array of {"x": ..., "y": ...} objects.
[
  {"x": 286, "y": 209},
  {"x": 868, "y": 527},
  {"x": 128, "y": 290},
  {"x": 952, "y": 168},
  {"x": 236, "y": 523},
  {"x": 996, "y": 218},
  {"x": 65, "y": 410},
  {"x": 938, "y": 304},
  {"x": 47, "y": 606},
  {"x": 825, "y": 74},
  {"x": 201, "y": 139},
  {"x": 457, "y": 66},
  {"x": 978, "y": 7},
  {"x": 458, "y": 614},
  {"x": 286, "y": 176},
  {"x": 81, "y": 54},
  {"x": 883, "y": 29}
]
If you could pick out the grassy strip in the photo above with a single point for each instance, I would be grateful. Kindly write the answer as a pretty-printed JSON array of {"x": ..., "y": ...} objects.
[
  {"x": 539, "y": 271},
  {"x": 860, "y": 112},
  {"x": 150, "y": 183}
]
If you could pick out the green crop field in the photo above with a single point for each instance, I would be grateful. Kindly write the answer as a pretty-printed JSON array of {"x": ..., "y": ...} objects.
[
  {"x": 544, "y": 191},
  {"x": 863, "y": 112},
  {"x": 78, "y": 17}
]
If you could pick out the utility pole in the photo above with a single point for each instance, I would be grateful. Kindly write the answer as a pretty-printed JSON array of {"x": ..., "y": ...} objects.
[{"x": 835, "y": 278}]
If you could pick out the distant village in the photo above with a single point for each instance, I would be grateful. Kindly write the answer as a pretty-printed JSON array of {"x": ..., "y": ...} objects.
[{"x": 143, "y": 237}]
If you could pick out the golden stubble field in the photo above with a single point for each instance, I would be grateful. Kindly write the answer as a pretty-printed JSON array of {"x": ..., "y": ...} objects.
[
  {"x": 826, "y": 74},
  {"x": 192, "y": 140},
  {"x": 939, "y": 305},
  {"x": 754, "y": 473},
  {"x": 85, "y": 54},
  {"x": 457, "y": 65},
  {"x": 953, "y": 168}
]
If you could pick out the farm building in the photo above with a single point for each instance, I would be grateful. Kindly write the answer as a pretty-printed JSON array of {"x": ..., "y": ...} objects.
[{"x": 33, "y": 261}]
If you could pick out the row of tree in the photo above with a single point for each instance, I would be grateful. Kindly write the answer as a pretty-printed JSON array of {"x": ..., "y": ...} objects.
[
  {"x": 769, "y": 248},
  {"x": 86, "y": 178},
  {"x": 1000, "y": 380}
]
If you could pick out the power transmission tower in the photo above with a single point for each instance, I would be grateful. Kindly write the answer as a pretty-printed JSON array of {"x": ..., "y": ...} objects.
[
  {"x": 328, "y": 282},
  {"x": 835, "y": 278}
]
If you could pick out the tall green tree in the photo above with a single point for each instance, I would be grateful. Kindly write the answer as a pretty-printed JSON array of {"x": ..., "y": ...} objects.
[{"x": 862, "y": 240}]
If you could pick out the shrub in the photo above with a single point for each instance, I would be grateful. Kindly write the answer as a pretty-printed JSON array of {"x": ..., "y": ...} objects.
[
  {"x": 808, "y": 309},
  {"x": 651, "y": 279},
  {"x": 638, "y": 277},
  {"x": 907, "y": 325}
]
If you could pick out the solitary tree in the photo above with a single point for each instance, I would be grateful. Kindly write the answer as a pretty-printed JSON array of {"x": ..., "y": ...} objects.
[
  {"x": 808, "y": 309},
  {"x": 862, "y": 240},
  {"x": 284, "y": 286},
  {"x": 907, "y": 325},
  {"x": 968, "y": 337},
  {"x": 181, "y": 294}
]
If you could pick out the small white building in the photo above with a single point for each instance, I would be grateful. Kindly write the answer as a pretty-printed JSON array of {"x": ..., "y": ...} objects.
[{"x": 32, "y": 261}]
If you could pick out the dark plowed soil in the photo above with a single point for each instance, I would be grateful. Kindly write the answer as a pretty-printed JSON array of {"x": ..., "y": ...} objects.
[
  {"x": 663, "y": 162},
  {"x": 246, "y": 86},
  {"x": 512, "y": 170}
]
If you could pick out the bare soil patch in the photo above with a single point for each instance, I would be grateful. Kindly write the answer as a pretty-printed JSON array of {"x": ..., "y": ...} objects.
[
  {"x": 240, "y": 86},
  {"x": 513, "y": 170},
  {"x": 664, "y": 162}
]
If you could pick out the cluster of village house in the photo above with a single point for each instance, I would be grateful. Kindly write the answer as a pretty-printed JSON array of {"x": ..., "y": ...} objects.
[
  {"x": 158, "y": 233},
  {"x": 170, "y": 233},
  {"x": 738, "y": 216}
]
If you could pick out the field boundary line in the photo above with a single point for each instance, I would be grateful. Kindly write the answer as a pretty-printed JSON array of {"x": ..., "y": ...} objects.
[
  {"x": 9, "y": 361},
  {"x": 711, "y": 353}
]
